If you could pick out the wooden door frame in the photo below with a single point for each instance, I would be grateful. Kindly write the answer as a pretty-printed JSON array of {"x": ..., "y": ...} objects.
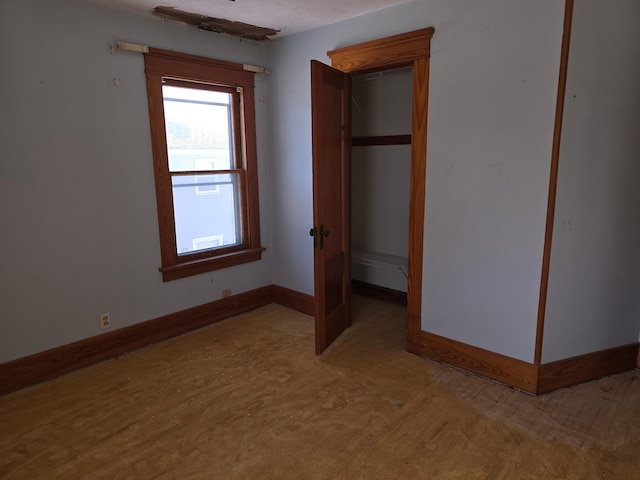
[{"x": 411, "y": 48}]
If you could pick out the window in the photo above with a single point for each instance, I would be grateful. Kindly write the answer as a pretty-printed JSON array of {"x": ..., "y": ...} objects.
[{"x": 204, "y": 151}]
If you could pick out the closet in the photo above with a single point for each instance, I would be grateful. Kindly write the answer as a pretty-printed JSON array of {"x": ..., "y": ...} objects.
[{"x": 381, "y": 164}]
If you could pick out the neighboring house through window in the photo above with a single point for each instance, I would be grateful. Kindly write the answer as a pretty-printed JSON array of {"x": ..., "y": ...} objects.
[
  {"x": 204, "y": 243},
  {"x": 206, "y": 186},
  {"x": 203, "y": 136}
]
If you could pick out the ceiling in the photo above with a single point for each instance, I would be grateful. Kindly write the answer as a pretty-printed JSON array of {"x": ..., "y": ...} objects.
[{"x": 287, "y": 16}]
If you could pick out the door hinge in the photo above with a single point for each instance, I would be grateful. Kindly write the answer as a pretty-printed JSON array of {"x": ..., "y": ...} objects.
[{"x": 314, "y": 233}]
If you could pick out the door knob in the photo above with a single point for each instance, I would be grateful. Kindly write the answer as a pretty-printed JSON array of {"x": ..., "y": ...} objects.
[{"x": 323, "y": 233}]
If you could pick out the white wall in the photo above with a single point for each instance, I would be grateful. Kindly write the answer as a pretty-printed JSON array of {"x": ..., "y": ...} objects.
[
  {"x": 77, "y": 200},
  {"x": 492, "y": 104},
  {"x": 79, "y": 231},
  {"x": 593, "y": 301},
  {"x": 381, "y": 174},
  {"x": 494, "y": 70}
]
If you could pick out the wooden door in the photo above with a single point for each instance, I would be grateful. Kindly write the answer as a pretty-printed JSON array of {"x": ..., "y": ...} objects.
[{"x": 331, "y": 146}]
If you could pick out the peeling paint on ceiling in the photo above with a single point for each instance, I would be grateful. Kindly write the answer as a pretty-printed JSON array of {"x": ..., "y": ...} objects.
[
  {"x": 213, "y": 24},
  {"x": 286, "y": 17}
]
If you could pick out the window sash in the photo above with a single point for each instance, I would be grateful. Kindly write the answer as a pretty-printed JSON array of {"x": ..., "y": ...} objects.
[
  {"x": 234, "y": 116},
  {"x": 234, "y": 226}
]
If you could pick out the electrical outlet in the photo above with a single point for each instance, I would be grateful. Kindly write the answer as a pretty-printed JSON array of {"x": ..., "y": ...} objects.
[
  {"x": 105, "y": 321},
  {"x": 226, "y": 293}
]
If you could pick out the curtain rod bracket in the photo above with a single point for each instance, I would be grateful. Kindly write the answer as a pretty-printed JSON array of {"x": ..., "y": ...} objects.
[
  {"x": 130, "y": 47},
  {"x": 255, "y": 69}
]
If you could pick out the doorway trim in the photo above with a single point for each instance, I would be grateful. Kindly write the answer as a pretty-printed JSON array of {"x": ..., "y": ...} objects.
[{"x": 411, "y": 48}]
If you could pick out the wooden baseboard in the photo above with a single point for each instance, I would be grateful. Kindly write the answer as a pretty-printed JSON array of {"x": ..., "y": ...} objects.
[
  {"x": 292, "y": 299},
  {"x": 381, "y": 293},
  {"x": 527, "y": 376},
  {"x": 503, "y": 369},
  {"x": 42, "y": 366},
  {"x": 414, "y": 334},
  {"x": 584, "y": 368}
]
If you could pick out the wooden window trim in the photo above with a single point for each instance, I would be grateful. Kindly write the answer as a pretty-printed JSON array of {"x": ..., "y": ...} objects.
[{"x": 161, "y": 64}]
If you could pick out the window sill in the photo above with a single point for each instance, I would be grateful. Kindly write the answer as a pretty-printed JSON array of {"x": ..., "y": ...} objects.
[{"x": 195, "y": 267}]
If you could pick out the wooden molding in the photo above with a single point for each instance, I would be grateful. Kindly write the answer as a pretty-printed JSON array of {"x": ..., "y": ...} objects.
[
  {"x": 381, "y": 140},
  {"x": 292, "y": 299},
  {"x": 417, "y": 197},
  {"x": 528, "y": 377},
  {"x": 412, "y": 48},
  {"x": 583, "y": 368},
  {"x": 38, "y": 367},
  {"x": 32, "y": 369},
  {"x": 394, "y": 51},
  {"x": 381, "y": 293},
  {"x": 525, "y": 376},
  {"x": 553, "y": 180},
  {"x": 221, "y": 261},
  {"x": 503, "y": 369},
  {"x": 413, "y": 344},
  {"x": 197, "y": 68},
  {"x": 191, "y": 71}
]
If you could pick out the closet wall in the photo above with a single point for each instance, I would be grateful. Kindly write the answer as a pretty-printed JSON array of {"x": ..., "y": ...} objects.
[{"x": 381, "y": 106}]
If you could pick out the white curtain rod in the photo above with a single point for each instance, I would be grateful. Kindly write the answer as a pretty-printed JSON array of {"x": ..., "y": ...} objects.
[{"x": 135, "y": 47}]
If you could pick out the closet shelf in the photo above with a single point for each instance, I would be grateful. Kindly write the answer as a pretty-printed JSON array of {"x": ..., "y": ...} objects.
[{"x": 380, "y": 260}]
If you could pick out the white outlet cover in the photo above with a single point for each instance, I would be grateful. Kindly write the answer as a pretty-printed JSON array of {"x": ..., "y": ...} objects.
[{"x": 105, "y": 321}]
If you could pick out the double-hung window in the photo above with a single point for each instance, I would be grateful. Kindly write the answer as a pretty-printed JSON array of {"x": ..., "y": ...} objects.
[{"x": 204, "y": 149}]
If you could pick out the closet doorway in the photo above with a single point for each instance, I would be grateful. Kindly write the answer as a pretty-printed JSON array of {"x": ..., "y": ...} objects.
[
  {"x": 380, "y": 177},
  {"x": 331, "y": 147}
]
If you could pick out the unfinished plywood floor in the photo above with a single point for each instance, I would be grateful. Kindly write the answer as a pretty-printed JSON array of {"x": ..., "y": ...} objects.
[{"x": 247, "y": 398}]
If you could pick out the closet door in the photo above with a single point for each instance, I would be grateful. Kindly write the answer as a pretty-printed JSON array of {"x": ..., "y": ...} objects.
[{"x": 331, "y": 146}]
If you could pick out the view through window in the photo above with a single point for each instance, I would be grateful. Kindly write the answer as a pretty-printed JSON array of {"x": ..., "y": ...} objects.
[{"x": 199, "y": 129}]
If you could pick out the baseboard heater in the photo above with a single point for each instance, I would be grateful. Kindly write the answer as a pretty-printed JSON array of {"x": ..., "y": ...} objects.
[{"x": 380, "y": 260}]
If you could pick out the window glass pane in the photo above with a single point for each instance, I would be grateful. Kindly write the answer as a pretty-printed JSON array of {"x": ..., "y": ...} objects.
[
  {"x": 195, "y": 94},
  {"x": 198, "y": 126},
  {"x": 207, "y": 211}
]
